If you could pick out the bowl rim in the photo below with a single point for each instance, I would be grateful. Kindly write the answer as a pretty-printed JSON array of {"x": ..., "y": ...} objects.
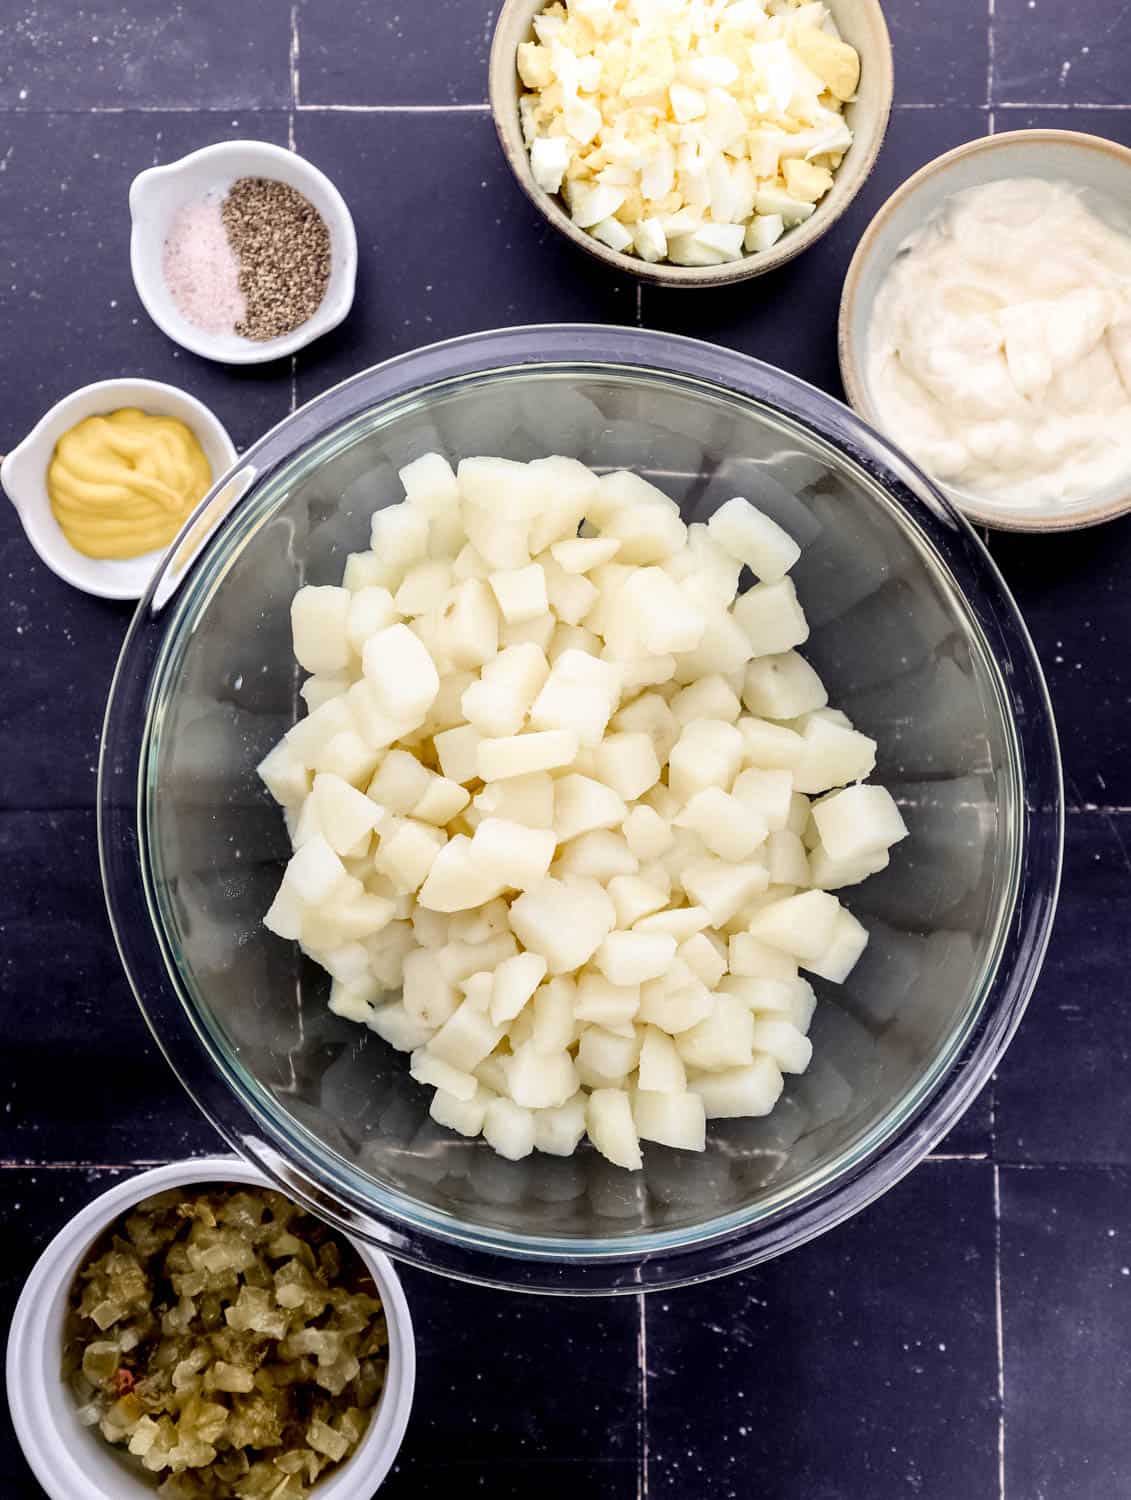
[
  {"x": 500, "y": 69},
  {"x": 50, "y": 1451},
  {"x": 849, "y": 352},
  {"x": 339, "y": 223},
  {"x": 24, "y": 468},
  {"x": 670, "y": 1257}
]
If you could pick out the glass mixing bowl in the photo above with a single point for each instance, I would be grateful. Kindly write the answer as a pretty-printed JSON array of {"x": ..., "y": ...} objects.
[{"x": 915, "y": 635}]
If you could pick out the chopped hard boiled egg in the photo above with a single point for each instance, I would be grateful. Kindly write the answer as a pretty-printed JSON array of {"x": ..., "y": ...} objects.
[
  {"x": 550, "y": 803},
  {"x": 693, "y": 131}
]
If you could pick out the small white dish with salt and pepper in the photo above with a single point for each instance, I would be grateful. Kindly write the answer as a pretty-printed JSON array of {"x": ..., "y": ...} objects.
[
  {"x": 23, "y": 474},
  {"x": 158, "y": 194}
]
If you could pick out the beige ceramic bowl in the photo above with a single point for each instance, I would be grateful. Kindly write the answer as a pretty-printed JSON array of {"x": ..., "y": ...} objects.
[
  {"x": 861, "y": 22},
  {"x": 1099, "y": 167}
]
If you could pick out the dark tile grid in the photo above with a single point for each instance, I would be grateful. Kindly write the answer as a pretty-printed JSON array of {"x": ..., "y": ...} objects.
[{"x": 845, "y": 1369}]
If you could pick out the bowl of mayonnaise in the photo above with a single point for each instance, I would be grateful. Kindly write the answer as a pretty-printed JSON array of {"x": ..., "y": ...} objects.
[
  {"x": 985, "y": 327},
  {"x": 106, "y": 479}
]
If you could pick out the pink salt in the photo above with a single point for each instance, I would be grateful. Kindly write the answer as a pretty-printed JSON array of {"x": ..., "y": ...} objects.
[{"x": 200, "y": 267}]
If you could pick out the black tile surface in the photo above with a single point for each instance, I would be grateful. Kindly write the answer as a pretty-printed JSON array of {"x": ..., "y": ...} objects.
[
  {"x": 126, "y": 53},
  {"x": 1061, "y": 1094},
  {"x": 864, "y": 1364},
  {"x": 376, "y": 52},
  {"x": 1046, "y": 52},
  {"x": 443, "y": 252},
  {"x": 1066, "y": 1315}
]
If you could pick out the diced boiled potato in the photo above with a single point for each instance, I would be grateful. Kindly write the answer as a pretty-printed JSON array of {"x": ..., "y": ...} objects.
[
  {"x": 857, "y": 821},
  {"x": 345, "y": 815},
  {"x": 529, "y": 800},
  {"x": 828, "y": 874},
  {"x": 674, "y": 1009},
  {"x": 553, "y": 1010},
  {"x": 424, "y": 587},
  {"x": 456, "y": 881},
  {"x": 318, "y": 690},
  {"x": 727, "y": 826},
  {"x": 469, "y": 624},
  {"x": 772, "y": 618},
  {"x": 510, "y": 854},
  {"x": 608, "y": 1119},
  {"x": 742, "y": 1092},
  {"x": 428, "y": 996},
  {"x": 788, "y": 862},
  {"x": 706, "y": 959},
  {"x": 722, "y": 887},
  {"x": 427, "y": 1068},
  {"x": 580, "y": 554},
  {"x": 604, "y": 1056},
  {"x": 660, "y": 1068},
  {"x": 407, "y": 852},
  {"x": 837, "y": 960},
  {"x": 722, "y": 650},
  {"x": 782, "y": 1041},
  {"x": 599, "y": 1002},
  {"x": 393, "y": 1024},
  {"x": 572, "y": 638},
  {"x": 671, "y": 1119},
  {"x": 284, "y": 775},
  {"x": 284, "y": 916},
  {"x": 634, "y": 898},
  {"x": 399, "y": 782},
  {"x": 537, "y": 632},
  {"x": 707, "y": 753},
  {"x": 646, "y": 833},
  {"x": 428, "y": 481},
  {"x": 571, "y": 596},
  {"x": 754, "y": 539},
  {"x": 348, "y": 755},
  {"x": 520, "y": 593},
  {"x": 539, "y": 1080},
  {"x": 311, "y": 735},
  {"x": 509, "y": 1128},
  {"x": 558, "y": 1132},
  {"x": 354, "y": 1001},
  {"x": 652, "y": 616},
  {"x": 464, "y": 1116},
  {"x": 523, "y": 754},
  {"x": 768, "y": 793},
  {"x": 747, "y": 956},
  {"x": 599, "y": 855},
  {"x": 579, "y": 696},
  {"x": 782, "y": 687},
  {"x": 722, "y": 1039},
  {"x": 315, "y": 875},
  {"x": 581, "y": 804},
  {"x": 832, "y": 756},
  {"x": 458, "y": 752},
  {"x": 565, "y": 489},
  {"x": 318, "y": 627},
  {"x": 459, "y": 959},
  {"x": 627, "y": 762},
  {"x": 802, "y": 925},
  {"x": 363, "y": 570},
  {"x": 679, "y": 922},
  {"x": 709, "y": 698},
  {"x": 466, "y": 1037},
  {"x": 769, "y": 747},
  {"x": 401, "y": 673},
  {"x": 566, "y": 921},
  {"x": 628, "y": 958},
  {"x": 790, "y": 999},
  {"x": 516, "y": 979},
  {"x": 398, "y": 537},
  {"x": 441, "y": 802},
  {"x": 498, "y": 703}
]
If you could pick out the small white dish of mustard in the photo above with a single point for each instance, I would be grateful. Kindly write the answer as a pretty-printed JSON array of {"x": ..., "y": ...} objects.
[{"x": 108, "y": 477}]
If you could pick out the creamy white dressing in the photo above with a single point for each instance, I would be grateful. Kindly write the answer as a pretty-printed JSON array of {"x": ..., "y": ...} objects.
[{"x": 1000, "y": 345}]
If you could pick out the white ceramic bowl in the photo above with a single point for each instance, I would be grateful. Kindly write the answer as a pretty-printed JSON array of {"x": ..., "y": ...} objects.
[
  {"x": 860, "y": 22},
  {"x": 23, "y": 474},
  {"x": 159, "y": 192},
  {"x": 72, "y": 1462},
  {"x": 1098, "y": 166}
]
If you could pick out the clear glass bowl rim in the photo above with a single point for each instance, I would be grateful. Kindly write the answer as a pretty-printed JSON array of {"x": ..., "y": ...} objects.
[{"x": 632, "y": 1263}]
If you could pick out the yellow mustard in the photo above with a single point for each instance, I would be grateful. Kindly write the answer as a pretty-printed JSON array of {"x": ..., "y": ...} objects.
[{"x": 122, "y": 484}]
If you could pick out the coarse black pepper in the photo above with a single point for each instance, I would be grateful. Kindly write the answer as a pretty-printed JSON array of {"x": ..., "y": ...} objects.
[{"x": 283, "y": 248}]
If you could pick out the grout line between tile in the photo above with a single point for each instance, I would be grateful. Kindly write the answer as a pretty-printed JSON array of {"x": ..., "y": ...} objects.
[
  {"x": 294, "y": 58},
  {"x": 1000, "y": 1332},
  {"x": 1049, "y": 104},
  {"x": 990, "y": 18},
  {"x": 642, "y": 1369},
  {"x": 394, "y": 109}
]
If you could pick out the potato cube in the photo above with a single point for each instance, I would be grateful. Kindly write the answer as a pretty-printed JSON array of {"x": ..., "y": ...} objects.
[
  {"x": 660, "y": 1068},
  {"x": 579, "y": 696},
  {"x": 671, "y": 1119},
  {"x": 540, "y": 1080},
  {"x": 469, "y": 624},
  {"x": 508, "y": 1128},
  {"x": 782, "y": 687},
  {"x": 311, "y": 735},
  {"x": 558, "y": 1132},
  {"x": 647, "y": 533},
  {"x": 738, "y": 1093},
  {"x": 401, "y": 673},
  {"x": 840, "y": 956},
  {"x": 345, "y": 815},
  {"x": 608, "y": 1119},
  {"x": 398, "y": 538},
  {"x": 769, "y": 747},
  {"x": 722, "y": 887},
  {"x": 571, "y": 596},
  {"x": 456, "y": 881},
  {"x": 407, "y": 851},
  {"x": 520, "y": 593},
  {"x": 710, "y": 698},
  {"x": 779, "y": 1039},
  {"x": 428, "y": 997},
  {"x": 747, "y": 956},
  {"x": 858, "y": 821},
  {"x": 772, "y": 618},
  {"x": 727, "y": 826},
  {"x": 553, "y": 1011},
  {"x": 599, "y": 1002},
  {"x": 802, "y": 926},
  {"x": 635, "y": 898},
  {"x": 363, "y": 570},
  {"x": 522, "y": 754},
  {"x": 722, "y": 650},
  {"x": 627, "y": 762},
  {"x": 528, "y": 800},
  {"x": 572, "y": 638},
  {"x": 284, "y": 917},
  {"x": 788, "y": 861},
  {"x": 652, "y": 616},
  {"x": 722, "y": 1039},
  {"x": 828, "y": 874},
  {"x": 628, "y": 958},
  {"x": 458, "y": 752},
  {"x": 754, "y": 539},
  {"x": 318, "y": 690},
  {"x": 766, "y": 793},
  {"x": 284, "y": 775},
  {"x": 399, "y": 782},
  {"x": 566, "y": 921},
  {"x": 510, "y": 854},
  {"x": 582, "y": 804},
  {"x": 371, "y": 723},
  {"x": 516, "y": 979},
  {"x": 441, "y": 802},
  {"x": 318, "y": 627},
  {"x": 315, "y": 874},
  {"x": 354, "y": 1001},
  {"x": 394, "y": 1025},
  {"x": 792, "y": 999},
  {"x": 646, "y": 833},
  {"x": 599, "y": 855},
  {"x": 580, "y": 554},
  {"x": 426, "y": 1068},
  {"x": 498, "y": 703},
  {"x": 703, "y": 958},
  {"x": 832, "y": 756},
  {"x": 707, "y": 753},
  {"x": 429, "y": 483},
  {"x": 674, "y": 1009},
  {"x": 349, "y": 756},
  {"x": 466, "y": 1038},
  {"x": 465, "y": 1116},
  {"x": 680, "y": 922}
]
